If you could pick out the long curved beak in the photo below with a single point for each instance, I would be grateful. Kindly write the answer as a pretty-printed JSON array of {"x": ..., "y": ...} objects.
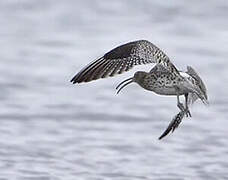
[{"x": 128, "y": 81}]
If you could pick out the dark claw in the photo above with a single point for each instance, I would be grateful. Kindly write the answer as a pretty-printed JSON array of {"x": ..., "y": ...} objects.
[{"x": 173, "y": 124}]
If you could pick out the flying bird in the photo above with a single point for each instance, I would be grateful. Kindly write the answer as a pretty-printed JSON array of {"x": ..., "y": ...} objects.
[{"x": 163, "y": 79}]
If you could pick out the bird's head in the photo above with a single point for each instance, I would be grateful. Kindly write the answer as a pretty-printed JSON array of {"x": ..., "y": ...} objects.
[{"x": 138, "y": 78}]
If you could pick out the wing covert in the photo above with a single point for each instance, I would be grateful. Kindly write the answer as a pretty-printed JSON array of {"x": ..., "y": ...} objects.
[{"x": 122, "y": 59}]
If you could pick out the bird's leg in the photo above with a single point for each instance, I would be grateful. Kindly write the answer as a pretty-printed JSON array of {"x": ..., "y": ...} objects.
[
  {"x": 179, "y": 104},
  {"x": 188, "y": 113}
]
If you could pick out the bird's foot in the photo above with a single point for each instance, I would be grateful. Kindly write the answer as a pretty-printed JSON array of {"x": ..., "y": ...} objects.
[{"x": 185, "y": 110}]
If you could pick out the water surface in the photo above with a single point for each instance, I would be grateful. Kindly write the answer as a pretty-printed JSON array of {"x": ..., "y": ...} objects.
[{"x": 51, "y": 129}]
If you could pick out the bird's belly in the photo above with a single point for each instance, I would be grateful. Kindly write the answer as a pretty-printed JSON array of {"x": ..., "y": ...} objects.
[{"x": 167, "y": 91}]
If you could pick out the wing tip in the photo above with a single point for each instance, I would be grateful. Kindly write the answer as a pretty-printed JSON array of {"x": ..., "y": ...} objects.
[
  {"x": 75, "y": 79},
  {"x": 165, "y": 133}
]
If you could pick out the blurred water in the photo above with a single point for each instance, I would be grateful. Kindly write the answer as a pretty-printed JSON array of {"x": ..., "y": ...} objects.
[{"x": 51, "y": 129}]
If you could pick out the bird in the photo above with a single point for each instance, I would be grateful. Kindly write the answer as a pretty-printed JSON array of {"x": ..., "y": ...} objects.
[{"x": 163, "y": 79}]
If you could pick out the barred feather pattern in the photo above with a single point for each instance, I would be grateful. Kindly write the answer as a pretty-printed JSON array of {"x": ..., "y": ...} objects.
[{"x": 122, "y": 59}]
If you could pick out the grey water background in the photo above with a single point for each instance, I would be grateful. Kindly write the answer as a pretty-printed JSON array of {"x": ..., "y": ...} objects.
[{"x": 51, "y": 129}]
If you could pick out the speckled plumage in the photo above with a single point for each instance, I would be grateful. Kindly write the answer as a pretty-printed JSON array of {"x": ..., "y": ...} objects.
[
  {"x": 122, "y": 59},
  {"x": 163, "y": 79}
]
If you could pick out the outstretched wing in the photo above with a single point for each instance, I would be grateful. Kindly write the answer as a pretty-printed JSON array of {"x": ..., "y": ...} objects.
[
  {"x": 173, "y": 124},
  {"x": 123, "y": 58}
]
